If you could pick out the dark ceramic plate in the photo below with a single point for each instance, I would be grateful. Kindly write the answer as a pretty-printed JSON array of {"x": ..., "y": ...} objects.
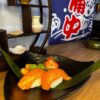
[{"x": 12, "y": 92}]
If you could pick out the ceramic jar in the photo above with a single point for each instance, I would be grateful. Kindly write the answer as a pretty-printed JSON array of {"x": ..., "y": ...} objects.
[
  {"x": 24, "y": 1},
  {"x": 36, "y": 25}
]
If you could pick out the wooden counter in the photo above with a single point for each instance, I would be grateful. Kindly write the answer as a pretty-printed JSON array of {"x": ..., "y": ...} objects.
[{"x": 74, "y": 50}]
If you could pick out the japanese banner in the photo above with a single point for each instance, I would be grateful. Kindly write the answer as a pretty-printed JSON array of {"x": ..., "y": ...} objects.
[{"x": 71, "y": 19}]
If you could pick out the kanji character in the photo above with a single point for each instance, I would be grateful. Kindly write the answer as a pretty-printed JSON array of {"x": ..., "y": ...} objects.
[
  {"x": 71, "y": 26},
  {"x": 77, "y": 6}
]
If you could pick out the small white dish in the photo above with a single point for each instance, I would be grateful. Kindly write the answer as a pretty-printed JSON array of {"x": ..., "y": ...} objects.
[{"x": 18, "y": 50}]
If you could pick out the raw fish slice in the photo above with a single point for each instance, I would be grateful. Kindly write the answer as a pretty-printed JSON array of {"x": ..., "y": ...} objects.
[
  {"x": 30, "y": 79},
  {"x": 50, "y": 63},
  {"x": 53, "y": 77}
]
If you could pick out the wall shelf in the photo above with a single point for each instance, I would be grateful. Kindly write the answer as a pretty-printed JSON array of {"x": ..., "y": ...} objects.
[
  {"x": 32, "y": 5},
  {"x": 28, "y": 34},
  {"x": 27, "y": 27}
]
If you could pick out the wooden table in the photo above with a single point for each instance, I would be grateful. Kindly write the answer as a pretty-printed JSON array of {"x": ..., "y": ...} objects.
[{"x": 74, "y": 50}]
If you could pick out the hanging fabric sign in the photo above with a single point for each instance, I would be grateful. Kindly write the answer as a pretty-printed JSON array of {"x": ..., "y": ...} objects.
[{"x": 71, "y": 19}]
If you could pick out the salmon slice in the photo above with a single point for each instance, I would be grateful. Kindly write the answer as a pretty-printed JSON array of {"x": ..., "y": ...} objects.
[
  {"x": 53, "y": 77},
  {"x": 50, "y": 63},
  {"x": 31, "y": 79}
]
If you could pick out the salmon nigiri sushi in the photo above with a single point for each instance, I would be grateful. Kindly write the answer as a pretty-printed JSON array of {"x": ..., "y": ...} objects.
[
  {"x": 53, "y": 78},
  {"x": 31, "y": 79}
]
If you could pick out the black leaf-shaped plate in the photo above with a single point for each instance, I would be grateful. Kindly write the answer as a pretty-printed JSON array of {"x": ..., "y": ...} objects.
[{"x": 72, "y": 67}]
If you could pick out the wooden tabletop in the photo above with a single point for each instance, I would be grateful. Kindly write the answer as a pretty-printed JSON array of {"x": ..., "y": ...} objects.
[{"x": 74, "y": 50}]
